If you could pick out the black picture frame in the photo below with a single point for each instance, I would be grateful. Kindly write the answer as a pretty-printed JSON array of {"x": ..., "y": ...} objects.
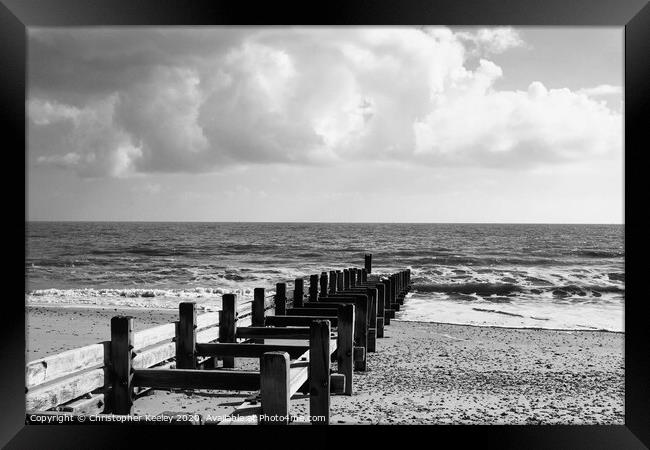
[{"x": 634, "y": 15}]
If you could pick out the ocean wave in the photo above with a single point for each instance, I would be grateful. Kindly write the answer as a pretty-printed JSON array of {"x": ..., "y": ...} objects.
[
  {"x": 135, "y": 292},
  {"x": 507, "y": 289},
  {"x": 205, "y": 298},
  {"x": 470, "y": 288},
  {"x": 617, "y": 276},
  {"x": 599, "y": 253}
]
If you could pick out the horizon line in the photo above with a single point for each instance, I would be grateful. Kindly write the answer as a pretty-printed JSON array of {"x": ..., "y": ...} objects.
[{"x": 319, "y": 222}]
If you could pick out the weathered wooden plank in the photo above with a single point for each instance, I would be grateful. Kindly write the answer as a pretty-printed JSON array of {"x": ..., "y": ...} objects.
[
  {"x": 381, "y": 306},
  {"x": 228, "y": 324},
  {"x": 337, "y": 383},
  {"x": 258, "y": 307},
  {"x": 154, "y": 355},
  {"x": 323, "y": 284},
  {"x": 361, "y": 328},
  {"x": 298, "y": 374},
  {"x": 313, "y": 288},
  {"x": 368, "y": 262},
  {"x": 238, "y": 380},
  {"x": 88, "y": 404},
  {"x": 345, "y": 345},
  {"x": 312, "y": 311},
  {"x": 298, "y": 292},
  {"x": 208, "y": 334},
  {"x": 387, "y": 317},
  {"x": 296, "y": 321},
  {"x": 346, "y": 278},
  {"x": 332, "y": 282},
  {"x": 274, "y": 388},
  {"x": 319, "y": 372},
  {"x": 66, "y": 363},
  {"x": 154, "y": 335},
  {"x": 372, "y": 339},
  {"x": 249, "y": 350},
  {"x": 46, "y": 396},
  {"x": 207, "y": 320},
  {"x": 280, "y": 298},
  {"x": 273, "y": 333},
  {"x": 339, "y": 280},
  {"x": 186, "y": 336},
  {"x": 372, "y": 305},
  {"x": 343, "y": 297},
  {"x": 122, "y": 337}
]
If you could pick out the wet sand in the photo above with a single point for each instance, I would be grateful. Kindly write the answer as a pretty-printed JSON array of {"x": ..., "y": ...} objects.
[{"x": 422, "y": 373}]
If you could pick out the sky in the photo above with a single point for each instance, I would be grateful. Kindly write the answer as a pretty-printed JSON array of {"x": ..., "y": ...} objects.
[{"x": 326, "y": 124}]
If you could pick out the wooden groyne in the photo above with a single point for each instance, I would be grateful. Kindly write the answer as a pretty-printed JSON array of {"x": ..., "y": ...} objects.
[{"x": 295, "y": 334}]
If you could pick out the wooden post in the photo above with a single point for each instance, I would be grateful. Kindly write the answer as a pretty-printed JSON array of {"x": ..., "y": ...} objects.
[
  {"x": 323, "y": 284},
  {"x": 368, "y": 262},
  {"x": 121, "y": 370},
  {"x": 372, "y": 305},
  {"x": 346, "y": 278},
  {"x": 332, "y": 289},
  {"x": 298, "y": 292},
  {"x": 319, "y": 372},
  {"x": 387, "y": 302},
  {"x": 364, "y": 275},
  {"x": 313, "y": 288},
  {"x": 339, "y": 280},
  {"x": 257, "y": 319},
  {"x": 280, "y": 299},
  {"x": 358, "y": 272},
  {"x": 361, "y": 325},
  {"x": 381, "y": 308},
  {"x": 345, "y": 345},
  {"x": 274, "y": 388},
  {"x": 353, "y": 277},
  {"x": 258, "y": 311},
  {"x": 228, "y": 324},
  {"x": 398, "y": 293},
  {"x": 186, "y": 336}
]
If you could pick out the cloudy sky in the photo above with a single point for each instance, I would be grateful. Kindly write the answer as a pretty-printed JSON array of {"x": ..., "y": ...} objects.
[{"x": 370, "y": 124}]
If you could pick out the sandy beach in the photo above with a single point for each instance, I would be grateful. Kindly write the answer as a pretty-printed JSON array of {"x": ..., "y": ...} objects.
[{"x": 422, "y": 373}]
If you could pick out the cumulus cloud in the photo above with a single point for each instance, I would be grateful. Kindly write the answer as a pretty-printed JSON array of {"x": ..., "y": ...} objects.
[
  {"x": 84, "y": 139},
  {"x": 122, "y": 102},
  {"x": 603, "y": 89},
  {"x": 492, "y": 40}
]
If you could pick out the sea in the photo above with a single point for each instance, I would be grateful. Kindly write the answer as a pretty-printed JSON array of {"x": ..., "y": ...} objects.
[{"x": 568, "y": 277}]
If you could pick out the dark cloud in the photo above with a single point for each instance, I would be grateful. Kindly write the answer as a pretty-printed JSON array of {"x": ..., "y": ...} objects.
[{"x": 121, "y": 101}]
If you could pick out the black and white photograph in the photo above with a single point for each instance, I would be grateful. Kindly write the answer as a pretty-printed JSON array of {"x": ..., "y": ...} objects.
[{"x": 339, "y": 225}]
